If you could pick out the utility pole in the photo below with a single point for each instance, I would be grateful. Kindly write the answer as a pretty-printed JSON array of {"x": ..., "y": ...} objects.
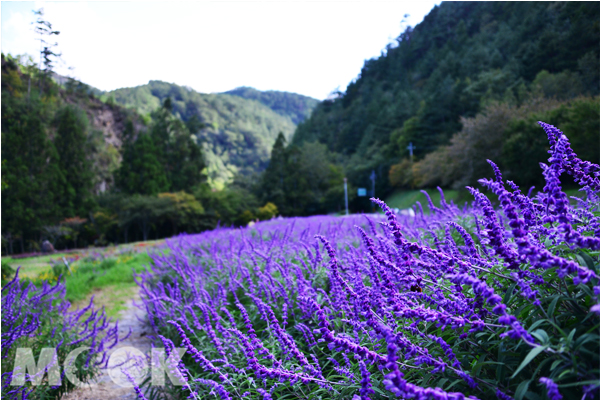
[
  {"x": 346, "y": 193},
  {"x": 372, "y": 177},
  {"x": 410, "y": 150}
]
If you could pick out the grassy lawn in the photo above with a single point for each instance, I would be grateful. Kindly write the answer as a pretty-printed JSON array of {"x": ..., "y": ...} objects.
[
  {"x": 105, "y": 273},
  {"x": 113, "y": 298},
  {"x": 40, "y": 266},
  {"x": 88, "y": 276},
  {"x": 403, "y": 199}
]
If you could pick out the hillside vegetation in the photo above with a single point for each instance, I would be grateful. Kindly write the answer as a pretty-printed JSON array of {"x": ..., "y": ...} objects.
[
  {"x": 296, "y": 106},
  {"x": 466, "y": 85},
  {"x": 77, "y": 171},
  {"x": 459, "y": 67},
  {"x": 236, "y": 132}
]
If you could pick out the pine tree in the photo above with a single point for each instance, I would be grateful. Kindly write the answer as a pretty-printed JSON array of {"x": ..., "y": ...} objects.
[
  {"x": 177, "y": 151},
  {"x": 31, "y": 176},
  {"x": 274, "y": 177},
  {"x": 44, "y": 30},
  {"x": 141, "y": 172},
  {"x": 71, "y": 145}
]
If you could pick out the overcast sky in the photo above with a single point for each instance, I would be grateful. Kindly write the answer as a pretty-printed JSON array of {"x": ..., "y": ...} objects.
[{"x": 305, "y": 47}]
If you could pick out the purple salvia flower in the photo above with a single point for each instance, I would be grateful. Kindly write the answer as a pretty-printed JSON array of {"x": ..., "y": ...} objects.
[{"x": 551, "y": 388}]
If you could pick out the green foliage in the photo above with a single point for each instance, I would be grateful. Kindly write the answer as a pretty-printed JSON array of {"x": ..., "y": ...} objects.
[
  {"x": 292, "y": 105},
  {"x": 141, "y": 171},
  {"x": 166, "y": 158},
  {"x": 177, "y": 150},
  {"x": 267, "y": 211},
  {"x": 123, "y": 218},
  {"x": 53, "y": 159},
  {"x": 301, "y": 180},
  {"x": 234, "y": 205},
  {"x": 524, "y": 147},
  {"x": 272, "y": 185},
  {"x": 72, "y": 148},
  {"x": 180, "y": 209},
  {"x": 461, "y": 59},
  {"x": 143, "y": 211},
  {"x": 7, "y": 272},
  {"x": 90, "y": 275},
  {"x": 32, "y": 176},
  {"x": 404, "y": 199},
  {"x": 400, "y": 174},
  {"x": 44, "y": 31},
  {"x": 509, "y": 136},
  {"x": 236, "y": 134}
]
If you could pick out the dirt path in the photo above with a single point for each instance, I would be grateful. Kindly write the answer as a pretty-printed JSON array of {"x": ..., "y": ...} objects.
[{"x": 111, "y": 384}]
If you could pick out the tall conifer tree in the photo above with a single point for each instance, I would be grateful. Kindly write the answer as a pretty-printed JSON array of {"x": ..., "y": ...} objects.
[
  {"x": 31, "y": 177},
  {"x": 71, "y": 145},
  {"x": 141, "y": 171},
  {"x": 273, "y": 179}
]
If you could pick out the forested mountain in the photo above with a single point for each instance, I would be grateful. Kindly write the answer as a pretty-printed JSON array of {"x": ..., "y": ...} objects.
[
  {"x": 461, "y": 59},
  {"x": 236, "y": 132},
  {"x": 78, "y": 171},
  {"x": 296, "y": 106}
]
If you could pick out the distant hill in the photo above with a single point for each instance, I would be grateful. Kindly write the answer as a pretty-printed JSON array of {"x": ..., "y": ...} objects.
[
  {"x": 296, "y": 106},
  {"x": 240, "y": 131},
  {"x": 462, "y": 57}
]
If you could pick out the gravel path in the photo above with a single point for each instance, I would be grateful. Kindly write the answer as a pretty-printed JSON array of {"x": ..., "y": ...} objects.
[{"x": 111, "y": 384}]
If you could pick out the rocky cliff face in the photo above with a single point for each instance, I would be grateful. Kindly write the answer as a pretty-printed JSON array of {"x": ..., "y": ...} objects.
[{"x": 107, "y": 123}]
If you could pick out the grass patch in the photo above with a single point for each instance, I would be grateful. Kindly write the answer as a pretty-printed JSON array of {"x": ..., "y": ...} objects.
[
  {"x": 104, "y": 273},
  {"x": 113, "y": 298},
  {"x": 88, "y": 276},
  {"x": 40, "y": 266},
  {"x": 403, "y": 199},
  {"x": 32, "y": 267}
]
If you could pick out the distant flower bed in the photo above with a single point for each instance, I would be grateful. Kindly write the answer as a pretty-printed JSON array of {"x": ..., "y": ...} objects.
[
  {"x": 36, "y": 322},
  {"x": 467, "y": 302}
]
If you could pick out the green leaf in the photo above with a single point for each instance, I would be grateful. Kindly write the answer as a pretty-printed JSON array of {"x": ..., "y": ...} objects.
[
  {"x": 587, "y": 261},
  {"x": 585, "y": 338},
  {"x": 593, "y": 382},
  {"x": 532, "y": 396},
  {"x": 532, "y": 354},
  {"x": 541, "y": 335},
  {"x": 522, "y": 389},
  {"x": 509, "y": 293},
  {"x": 555, "y": 364},
  {"x": 570, "y": 338},
  {"x": 553, "y": 305},
  {"x": 478, "y": 365}
]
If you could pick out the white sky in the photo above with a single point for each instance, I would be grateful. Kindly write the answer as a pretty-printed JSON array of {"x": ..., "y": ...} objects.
[{"x": 305, "y": 47}]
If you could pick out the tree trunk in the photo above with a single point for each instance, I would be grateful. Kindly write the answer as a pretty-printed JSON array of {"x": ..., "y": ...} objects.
[{"x": 145, "y": 230}]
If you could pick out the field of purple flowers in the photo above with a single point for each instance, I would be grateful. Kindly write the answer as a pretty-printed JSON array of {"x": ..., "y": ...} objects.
[
  {"x": 467, "y": 302},
  {"x": 38, "y": 318}
]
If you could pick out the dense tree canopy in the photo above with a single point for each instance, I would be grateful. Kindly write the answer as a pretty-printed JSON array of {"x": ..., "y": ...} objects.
[
  {"x": 292, "y": 105},
  {"x": 465, "y": 85},
  {"x": 463, "y": 56},
  {"x": 236, "y": 133}
]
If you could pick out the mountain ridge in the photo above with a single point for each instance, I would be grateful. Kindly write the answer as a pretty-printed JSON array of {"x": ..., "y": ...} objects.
[
  {"x": 237, "y": 133},
  {"x": 297, "y": 106}
]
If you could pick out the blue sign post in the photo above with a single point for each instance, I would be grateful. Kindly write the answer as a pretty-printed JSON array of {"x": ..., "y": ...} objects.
[{"x": 362, "y": 192}]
